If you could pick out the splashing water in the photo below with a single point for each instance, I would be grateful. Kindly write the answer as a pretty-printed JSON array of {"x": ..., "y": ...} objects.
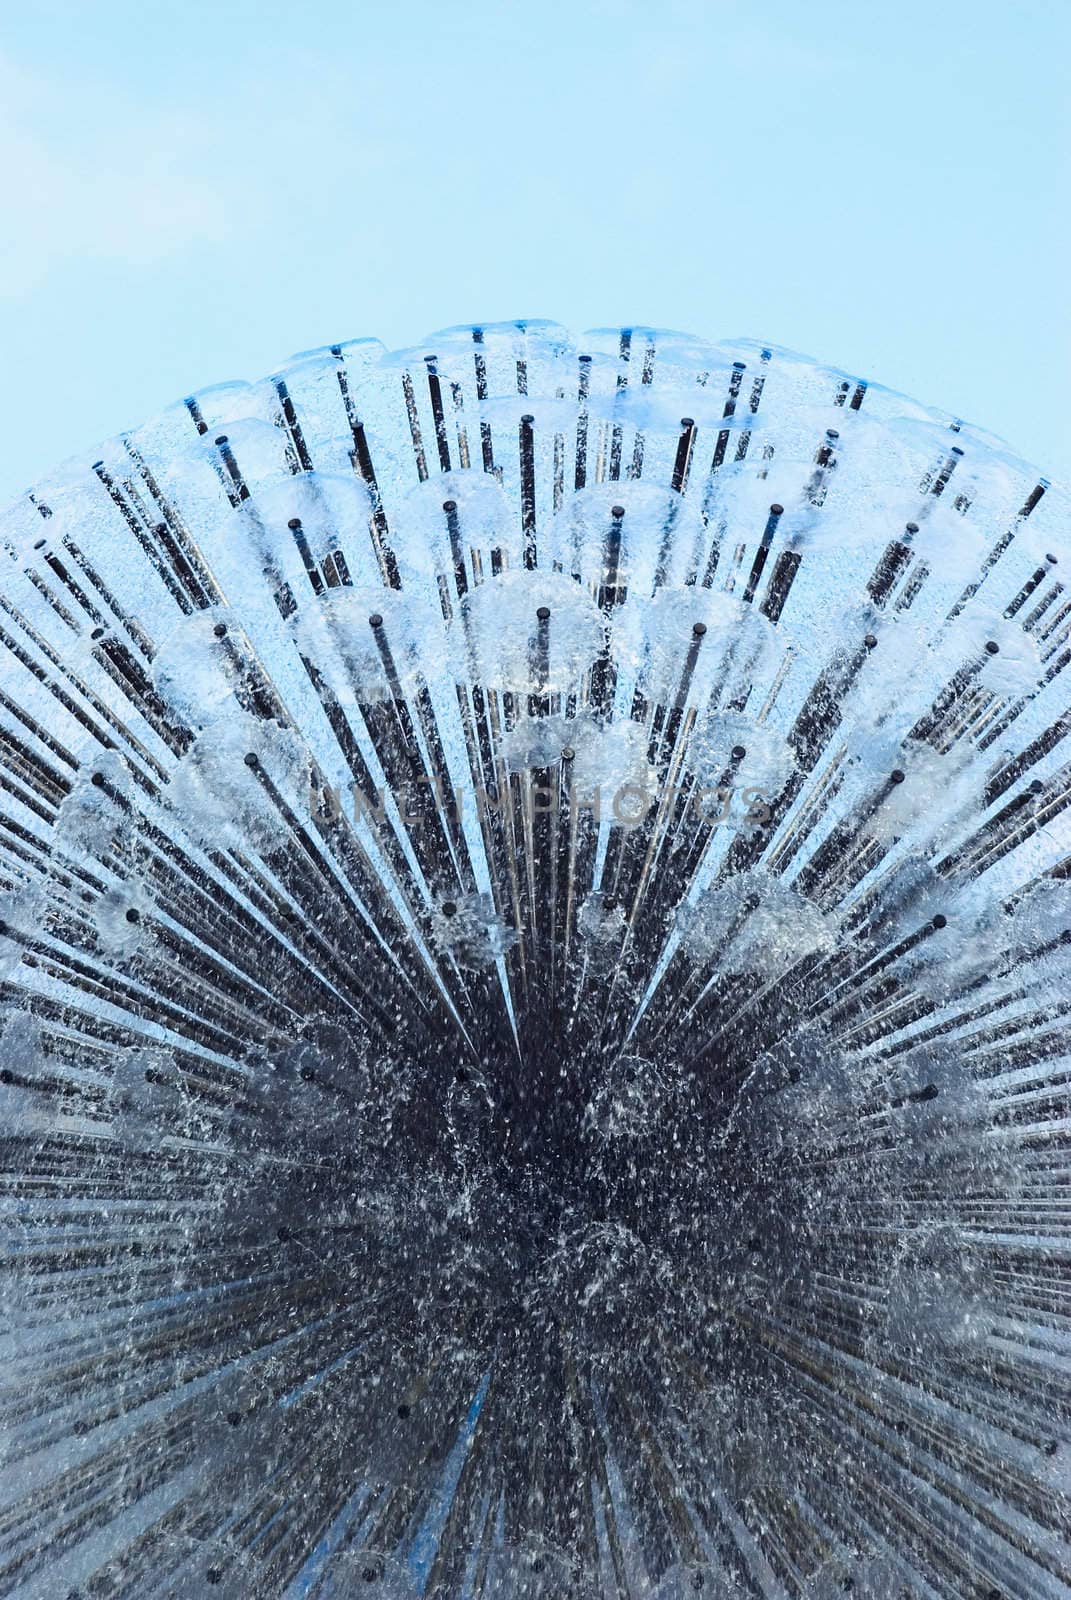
[{"x": 534, "y": 945}]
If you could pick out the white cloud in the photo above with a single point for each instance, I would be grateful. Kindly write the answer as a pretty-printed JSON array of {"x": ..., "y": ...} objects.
[{"x": 83, "y": 178}]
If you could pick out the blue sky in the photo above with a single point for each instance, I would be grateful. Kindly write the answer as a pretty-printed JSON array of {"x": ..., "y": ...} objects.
[{"x": 193, "y": 192}]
